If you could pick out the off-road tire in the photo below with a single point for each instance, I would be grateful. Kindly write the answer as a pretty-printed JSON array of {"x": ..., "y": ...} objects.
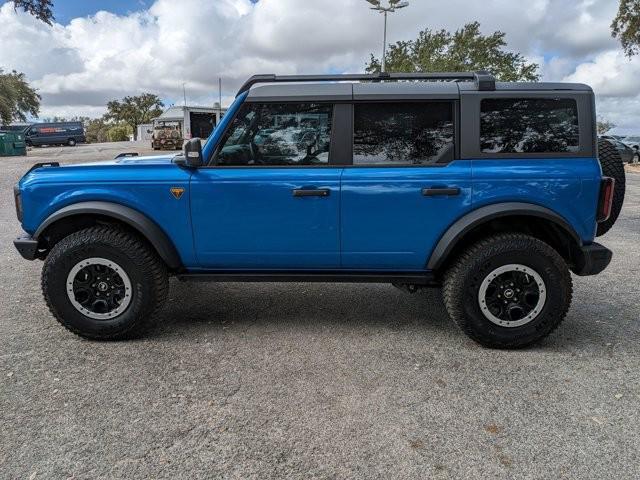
[
  {"x": 463, "y": 279},
  {"x": 612, "y": 166},
  {"x": 146, "y": 271}
]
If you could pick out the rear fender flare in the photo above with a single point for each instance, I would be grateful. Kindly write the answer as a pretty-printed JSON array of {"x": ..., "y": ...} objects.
[{"x": 464, "y": 225}]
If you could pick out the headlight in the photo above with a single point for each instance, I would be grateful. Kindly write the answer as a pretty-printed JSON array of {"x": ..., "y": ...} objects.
[{"x": 18, "y": 199}]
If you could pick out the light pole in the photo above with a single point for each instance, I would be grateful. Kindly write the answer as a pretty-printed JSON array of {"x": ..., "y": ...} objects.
[
  {"x": 219, "y": 99},
  {"x": 393, "y": 6}
]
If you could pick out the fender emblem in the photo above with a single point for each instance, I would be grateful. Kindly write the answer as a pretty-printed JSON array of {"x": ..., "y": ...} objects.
[{"x": 177, "y": 192}]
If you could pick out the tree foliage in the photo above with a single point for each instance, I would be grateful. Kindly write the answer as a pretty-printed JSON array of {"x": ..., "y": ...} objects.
[
  {"x": 119, "y": 133},
  {"x": 96, "y": 130},
  {"x": 464, "y": 50},
  {"x": 604, "y": 126},
  {"x": 626, "y": 26},
  {"x": 57, "y": 119},
  {"x": 134, "y": 111},
  {"x": 17, "y": 98},
  {"x": 41, "y": 9}
]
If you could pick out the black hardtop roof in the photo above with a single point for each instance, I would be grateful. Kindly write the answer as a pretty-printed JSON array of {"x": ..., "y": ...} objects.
[
  {"x": 391, "y": 86},
  {"x": 534, "y": 86}
]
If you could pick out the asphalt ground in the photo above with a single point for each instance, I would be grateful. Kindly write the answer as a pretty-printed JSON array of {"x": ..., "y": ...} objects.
[{"x": 317, "y": 380}]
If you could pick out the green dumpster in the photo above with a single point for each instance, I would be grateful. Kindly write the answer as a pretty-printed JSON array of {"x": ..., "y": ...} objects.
[{"x": 12, "y": 144}]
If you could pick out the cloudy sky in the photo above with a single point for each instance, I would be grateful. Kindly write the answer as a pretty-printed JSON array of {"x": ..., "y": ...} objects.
[{"x": 105, "y": 49}]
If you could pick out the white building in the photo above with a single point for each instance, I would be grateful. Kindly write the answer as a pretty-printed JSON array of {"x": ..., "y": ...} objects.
[
  {"x": 145, "y": 131},
  {"x": 194, "y": 121}
]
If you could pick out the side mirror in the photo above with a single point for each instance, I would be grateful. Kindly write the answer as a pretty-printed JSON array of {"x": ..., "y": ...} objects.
[{"x": 193, "y": 154}]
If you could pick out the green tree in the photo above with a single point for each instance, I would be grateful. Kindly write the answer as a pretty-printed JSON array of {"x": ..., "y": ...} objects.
[
  {"x": 17, "y": 98},
  {"x": 626, "y": 26},
  {"x": 96, "y": 130},
  {"x": 119, "y": 133},
  {"x": 464, "y": 50},
  {"x": 604, "y": 126},
  {"x": 41, "y": 9},
  {"x": 134, "y": 110}
]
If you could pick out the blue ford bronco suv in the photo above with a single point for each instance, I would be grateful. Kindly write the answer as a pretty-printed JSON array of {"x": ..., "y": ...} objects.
[{"x": 493, "y": 191}]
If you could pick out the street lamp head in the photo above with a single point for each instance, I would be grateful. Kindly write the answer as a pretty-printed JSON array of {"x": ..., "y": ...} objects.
[{"x": 393, "y": 5}]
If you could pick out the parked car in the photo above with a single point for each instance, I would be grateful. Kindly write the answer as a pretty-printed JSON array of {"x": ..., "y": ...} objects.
[
  {"x": 61, "y": 133},
  {"x": 634, "y": 143},
  {"x": 492, "y": 191},
  {"x": 627, "y": 153},
  {"x": 167, "y": 136}
]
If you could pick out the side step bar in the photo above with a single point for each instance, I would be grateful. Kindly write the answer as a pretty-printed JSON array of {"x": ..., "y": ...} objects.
[{"x": 426, "y": 278}]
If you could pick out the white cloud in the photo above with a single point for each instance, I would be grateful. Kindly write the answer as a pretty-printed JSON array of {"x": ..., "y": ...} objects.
[
  {"x": 610, "y": 74},
  {"x": 80, "y": 66}
]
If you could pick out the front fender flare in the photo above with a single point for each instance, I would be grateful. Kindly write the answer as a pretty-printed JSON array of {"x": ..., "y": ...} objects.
[
  {"x": 462, "y": 226},
  {"x": 138, "y": 221}
]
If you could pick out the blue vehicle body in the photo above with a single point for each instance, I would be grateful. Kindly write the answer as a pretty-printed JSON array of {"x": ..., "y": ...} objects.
[
  {"x": 374, "y": 218},
  {"x": 369, "y": 219}
]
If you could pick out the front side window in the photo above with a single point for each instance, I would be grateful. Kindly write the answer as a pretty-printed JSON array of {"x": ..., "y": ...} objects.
[
  {"x": 529, "y": 125},
  {"x": 277, "y": 135},
  {"x": 403, "y": 133}
]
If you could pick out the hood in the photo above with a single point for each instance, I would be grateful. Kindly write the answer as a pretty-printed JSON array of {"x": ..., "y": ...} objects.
[
  {"x": 148, "y": 160},
  {"x": 125, "y": 169}
]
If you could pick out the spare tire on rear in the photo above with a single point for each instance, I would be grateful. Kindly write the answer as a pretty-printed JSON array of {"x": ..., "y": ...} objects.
[{"x": 612, "y": 166}]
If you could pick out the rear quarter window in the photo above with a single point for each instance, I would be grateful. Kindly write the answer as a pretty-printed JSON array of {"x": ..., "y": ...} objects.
[{"x": 529, "y": 125}]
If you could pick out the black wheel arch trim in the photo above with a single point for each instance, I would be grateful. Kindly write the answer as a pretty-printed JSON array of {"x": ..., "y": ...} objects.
[
  {"x": 135, "y": 219},
  {"x": 477, "y": 217}
]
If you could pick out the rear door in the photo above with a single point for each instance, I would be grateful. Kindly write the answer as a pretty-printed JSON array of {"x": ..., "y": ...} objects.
[
  {"x": 405, "y": 186},
  {"x": 271, "y": 198}
]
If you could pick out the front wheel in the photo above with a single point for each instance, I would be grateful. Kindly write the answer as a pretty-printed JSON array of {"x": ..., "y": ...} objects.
[
  {"x": 104, "y": 283},
  {"x": 508, "y": 291}
]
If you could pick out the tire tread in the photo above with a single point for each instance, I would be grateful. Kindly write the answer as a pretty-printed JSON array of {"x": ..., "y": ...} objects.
[
  {"x": 612, "y": 166},
  {"x": 131, "y": 245},
  {"x": 463, "y": 266}
]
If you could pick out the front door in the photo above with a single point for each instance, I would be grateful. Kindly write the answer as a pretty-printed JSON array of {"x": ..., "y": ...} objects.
[
  {"x": 270, "y": 200},
  {"x": 404, "y": 188}
]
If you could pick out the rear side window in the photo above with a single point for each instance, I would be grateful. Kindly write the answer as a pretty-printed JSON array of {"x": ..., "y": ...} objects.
[
  {"x": 529, "y": 125},
  {"x": 278, "y": 135},
  {"x": 402, "y": 133}
]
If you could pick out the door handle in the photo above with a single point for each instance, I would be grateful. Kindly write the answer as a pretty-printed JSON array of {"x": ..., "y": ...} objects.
[
  {"x": 441, "y": 191},
  {"x": 311, "y": 192}
]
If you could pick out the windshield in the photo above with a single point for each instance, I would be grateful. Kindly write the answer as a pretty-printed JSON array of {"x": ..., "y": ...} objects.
[
  {"x": 166, "y": 125},
  {"x": 210, "y": 145}
]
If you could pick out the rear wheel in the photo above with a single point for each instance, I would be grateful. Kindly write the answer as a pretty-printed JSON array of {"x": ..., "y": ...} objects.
[
  {"x": 104, "y": 283},
  {"x": 612, "y": 166},
  {"x": 508, "y": 291},
  {"x": 71, "y": 142}
]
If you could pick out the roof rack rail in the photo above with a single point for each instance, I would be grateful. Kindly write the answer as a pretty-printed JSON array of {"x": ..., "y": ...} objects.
[{"x": 484, "y": 80}]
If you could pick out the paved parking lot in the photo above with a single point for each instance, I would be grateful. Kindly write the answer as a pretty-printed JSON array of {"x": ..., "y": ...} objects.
[{"x": 317, "y": 380}]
